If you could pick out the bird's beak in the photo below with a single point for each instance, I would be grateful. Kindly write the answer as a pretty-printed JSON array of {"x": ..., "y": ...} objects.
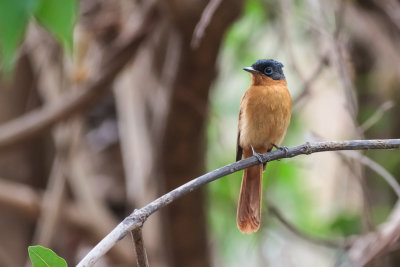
[{"x": 251, "y": 70}]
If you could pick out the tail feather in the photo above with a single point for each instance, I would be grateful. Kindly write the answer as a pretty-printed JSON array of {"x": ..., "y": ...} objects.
[{"x": 249, "y": 208}]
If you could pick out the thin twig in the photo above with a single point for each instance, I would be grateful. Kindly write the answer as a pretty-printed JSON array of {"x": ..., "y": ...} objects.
[
  {"x": 51, "y": 205},
  {"x": 204, "y": 21},
  {"x": 342, "y": 64},
  {"x": 375, "y": 167},
  {"x": 376, "y": 116},
  {"x": 138, "y": 217},
  {"x": 285, "y": 8},
  {"x": 305, "y": 89},
  {"x": 316, "y": 240},
  {"x": 141, "y": 255},
  {"x": 39, "y": 120},
  {"x": 368, "y": 224}
]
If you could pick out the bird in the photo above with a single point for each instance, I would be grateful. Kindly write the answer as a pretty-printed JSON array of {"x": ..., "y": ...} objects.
[{"x": 264, "y": 116}]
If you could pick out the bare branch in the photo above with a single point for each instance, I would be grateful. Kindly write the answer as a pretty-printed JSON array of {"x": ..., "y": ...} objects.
[
  {"x": 138, "y": 217},
  {"x": 141, "y": 255}
]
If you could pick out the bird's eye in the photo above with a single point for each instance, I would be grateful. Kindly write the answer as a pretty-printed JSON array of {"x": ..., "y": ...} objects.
[{"x": 268, "y": 71}]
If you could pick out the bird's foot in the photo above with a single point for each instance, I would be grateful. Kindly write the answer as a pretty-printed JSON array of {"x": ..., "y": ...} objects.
[
  {"x": 285, "y": 149},
  {"x": 257, "y": 155}
]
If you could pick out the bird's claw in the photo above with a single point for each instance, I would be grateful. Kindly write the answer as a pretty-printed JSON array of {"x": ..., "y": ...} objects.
[
  {"x": 257, "y": 155},
  {"x": 285, "y": 149}
]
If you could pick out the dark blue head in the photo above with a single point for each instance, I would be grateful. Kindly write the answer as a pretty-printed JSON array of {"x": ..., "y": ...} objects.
[{"x": 268, "y": 67}]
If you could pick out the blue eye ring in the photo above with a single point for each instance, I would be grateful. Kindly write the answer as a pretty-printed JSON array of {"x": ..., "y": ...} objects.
[{"x": 268, "y": 71}]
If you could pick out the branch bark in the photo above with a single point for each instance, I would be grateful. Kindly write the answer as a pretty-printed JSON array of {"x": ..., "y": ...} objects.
[
  {"x": 137, "y": 218},
  {"x": 141, "y": 255}
]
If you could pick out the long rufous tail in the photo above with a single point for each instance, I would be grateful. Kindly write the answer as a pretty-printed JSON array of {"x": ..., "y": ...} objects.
[{"x": 248, "y": 216}]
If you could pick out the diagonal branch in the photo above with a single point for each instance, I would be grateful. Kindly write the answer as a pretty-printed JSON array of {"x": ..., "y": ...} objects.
[
  {"x": 371, "y": 246},
  {"x": 205, "y": 19},
  {"x": 137, "y": 218},
  {"x": 379, "y": 113}
]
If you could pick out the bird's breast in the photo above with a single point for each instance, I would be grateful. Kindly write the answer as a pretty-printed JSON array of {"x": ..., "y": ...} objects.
[{"x": 265, "y": 116}]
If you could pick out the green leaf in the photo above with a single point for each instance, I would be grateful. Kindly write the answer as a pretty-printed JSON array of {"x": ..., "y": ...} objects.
[
  {"x": 14, "y": 17},
  {"x": 59, "y": 17},
  {"x": 45, "y": 257}
]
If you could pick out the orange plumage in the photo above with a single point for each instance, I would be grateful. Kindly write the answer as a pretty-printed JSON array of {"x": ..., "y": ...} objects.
[{"x": 264, "y": 117}]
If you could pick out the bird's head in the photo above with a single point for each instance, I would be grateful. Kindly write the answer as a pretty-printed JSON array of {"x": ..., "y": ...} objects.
[{"x": 268, "y": 68}]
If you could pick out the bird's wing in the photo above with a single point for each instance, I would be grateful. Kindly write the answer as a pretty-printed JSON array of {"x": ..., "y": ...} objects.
[{"x": 239, "y": 149}]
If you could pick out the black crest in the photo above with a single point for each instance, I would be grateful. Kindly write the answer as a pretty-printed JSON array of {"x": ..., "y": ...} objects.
[{"x": 270, "y": 68}]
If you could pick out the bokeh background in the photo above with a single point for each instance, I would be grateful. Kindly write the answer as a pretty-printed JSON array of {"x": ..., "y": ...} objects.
[{"x": 170, "y": 115}]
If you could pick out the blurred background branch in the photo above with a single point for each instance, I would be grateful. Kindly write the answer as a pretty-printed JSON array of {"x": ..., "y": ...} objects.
[{"x": 36, "y": 121}]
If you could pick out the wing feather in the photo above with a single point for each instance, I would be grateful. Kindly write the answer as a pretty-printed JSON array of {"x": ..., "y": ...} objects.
[{"x": 239, "y": 149}]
